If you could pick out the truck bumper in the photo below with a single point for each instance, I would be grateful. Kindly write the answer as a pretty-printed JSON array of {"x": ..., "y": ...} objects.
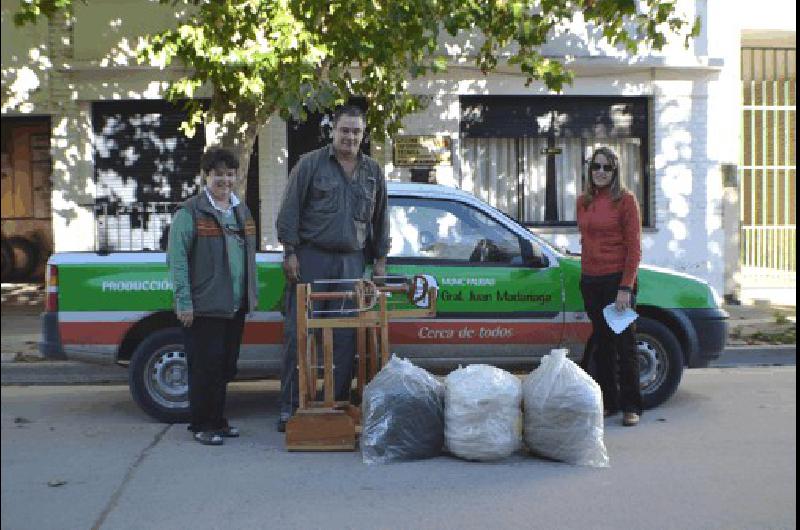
[
  {"x": 50, "y": 346},
  {"x": 711, "y": 326}
]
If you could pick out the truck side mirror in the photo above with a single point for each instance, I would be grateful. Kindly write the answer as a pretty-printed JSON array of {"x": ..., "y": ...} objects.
[{"x": 532, "y": 256}]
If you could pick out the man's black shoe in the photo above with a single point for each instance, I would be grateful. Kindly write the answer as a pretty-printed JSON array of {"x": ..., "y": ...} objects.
[
  {"x": 208, "y": 438},
  {"x": 282, "y": 425}
]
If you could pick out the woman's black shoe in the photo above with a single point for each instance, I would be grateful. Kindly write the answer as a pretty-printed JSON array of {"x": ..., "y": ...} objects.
[{"x": 230, "y": 432}]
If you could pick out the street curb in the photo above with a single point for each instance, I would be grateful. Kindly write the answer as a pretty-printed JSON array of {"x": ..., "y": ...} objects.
[
  {"x": 765, "y": 348},
  {"x": 61, "y": 373},
  {"x": 757, "y": 355}
]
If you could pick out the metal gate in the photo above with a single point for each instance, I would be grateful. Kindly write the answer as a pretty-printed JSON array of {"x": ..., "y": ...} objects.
[{"x": 768, "y": 165}]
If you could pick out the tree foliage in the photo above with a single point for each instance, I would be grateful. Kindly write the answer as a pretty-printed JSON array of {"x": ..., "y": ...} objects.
[{"x": 294, "y": 56}]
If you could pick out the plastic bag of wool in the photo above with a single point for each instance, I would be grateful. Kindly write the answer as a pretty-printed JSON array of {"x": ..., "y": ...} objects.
[
  {"x": 402, "y": 414},
  {"x": 563, "y": 417},
  {"x": 482, "y": 413}
]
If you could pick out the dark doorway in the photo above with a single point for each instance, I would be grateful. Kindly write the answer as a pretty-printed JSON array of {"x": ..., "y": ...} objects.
[{"x": 315, "y": 132}]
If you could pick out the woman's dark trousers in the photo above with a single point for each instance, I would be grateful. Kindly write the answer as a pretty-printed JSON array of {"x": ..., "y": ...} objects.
[
  {"x": 615, "y": 356},
  {"x": 212, "y": 351}
]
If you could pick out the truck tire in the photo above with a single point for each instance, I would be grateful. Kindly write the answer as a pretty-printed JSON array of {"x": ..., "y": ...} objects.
[
  {"x": 660, "y": 361},
  {"x": 26, "y": 257},
  {"x": 158, "y": 376},
  {"x": 7, "y": 261}
]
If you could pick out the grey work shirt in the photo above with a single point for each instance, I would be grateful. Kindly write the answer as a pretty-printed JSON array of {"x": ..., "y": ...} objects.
[{"x": 323, "y": 207}]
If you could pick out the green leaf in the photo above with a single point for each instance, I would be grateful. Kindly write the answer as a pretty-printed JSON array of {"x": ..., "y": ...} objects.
[{"x": 440, "y": 63}]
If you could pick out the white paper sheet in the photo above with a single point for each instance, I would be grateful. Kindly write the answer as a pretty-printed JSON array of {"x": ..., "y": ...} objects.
[{"x": 619, "y": 320}]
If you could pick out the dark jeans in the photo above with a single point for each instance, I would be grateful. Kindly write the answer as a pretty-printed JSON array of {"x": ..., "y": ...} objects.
[
  {"x": 318, "y": 264},
  {"x": 212, "y": 350},
  {"x": 614, "y": 356}
]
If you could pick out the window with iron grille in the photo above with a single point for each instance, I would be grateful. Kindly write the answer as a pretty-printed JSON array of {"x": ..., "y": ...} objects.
[
  {"x": 527, "y": 156},
  {"x": 145, "y": 166}
]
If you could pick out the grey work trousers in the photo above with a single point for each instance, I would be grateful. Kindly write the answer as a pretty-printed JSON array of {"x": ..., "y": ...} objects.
[{"x": 317, "y": 264}]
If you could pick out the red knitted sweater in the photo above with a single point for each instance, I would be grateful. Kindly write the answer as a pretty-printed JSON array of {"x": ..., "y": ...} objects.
[{"x": 611, "y": 236}]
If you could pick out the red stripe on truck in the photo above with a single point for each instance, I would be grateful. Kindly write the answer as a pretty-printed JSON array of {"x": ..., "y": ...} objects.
[
  {"x": 577, "y": 331},
  {"x": 263, "y": 333},
  {"x": 471, "y": 332},
  {"x": 466, "y": 332},
  {"x": 93, "y": 332},
  {"x": 453, "y": 332}
]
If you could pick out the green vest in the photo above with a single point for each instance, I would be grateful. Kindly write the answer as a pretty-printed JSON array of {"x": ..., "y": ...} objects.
[{"x": 209, "y": 269}]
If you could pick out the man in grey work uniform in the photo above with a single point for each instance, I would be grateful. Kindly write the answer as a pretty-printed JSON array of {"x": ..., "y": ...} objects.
[{"x": 333, "y": 215}]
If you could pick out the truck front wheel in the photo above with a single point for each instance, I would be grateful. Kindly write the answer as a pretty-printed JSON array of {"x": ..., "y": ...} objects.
[
  {"x": 158, "y": 376},
  {"x": 660, "y": 361}
]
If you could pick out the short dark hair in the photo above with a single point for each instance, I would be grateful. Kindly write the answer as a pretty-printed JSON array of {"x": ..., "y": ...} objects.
[
  {"x": 348, "y": 110},
  {"x": 216, "y": 157}
]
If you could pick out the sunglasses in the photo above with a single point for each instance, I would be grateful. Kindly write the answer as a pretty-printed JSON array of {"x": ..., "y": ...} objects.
[{"x": 594, "y": 166}]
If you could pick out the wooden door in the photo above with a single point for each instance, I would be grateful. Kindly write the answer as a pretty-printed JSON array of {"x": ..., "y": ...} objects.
[
  {"x": 26, "y": 171},
  {"x": 26, "y": 186}
]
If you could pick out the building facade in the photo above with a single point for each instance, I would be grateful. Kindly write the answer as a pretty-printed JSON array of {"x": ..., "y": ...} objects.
[{"x": 119, "y": 163}]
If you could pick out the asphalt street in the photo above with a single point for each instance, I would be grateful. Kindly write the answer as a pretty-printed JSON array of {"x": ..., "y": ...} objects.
[
  {"x": 78, "y": 453},
  {"x": 720, "y": 454}
]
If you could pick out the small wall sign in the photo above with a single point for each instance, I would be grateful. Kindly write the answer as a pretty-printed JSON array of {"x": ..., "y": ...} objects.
[
  {"x": 421, "y": 150},
  {"x": 551, "y": 150}
]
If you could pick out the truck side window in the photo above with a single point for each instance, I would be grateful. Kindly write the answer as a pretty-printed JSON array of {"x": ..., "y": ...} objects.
[{"x": 449, "y": 230}]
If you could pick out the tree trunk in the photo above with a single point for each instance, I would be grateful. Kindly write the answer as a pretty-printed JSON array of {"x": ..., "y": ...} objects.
[{"x": 236, "y": 131}]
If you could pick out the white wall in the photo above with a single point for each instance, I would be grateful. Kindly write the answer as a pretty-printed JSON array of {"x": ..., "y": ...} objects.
[
  {"x": 26, "y": 62},
  {"x": 780, "y": 15}
]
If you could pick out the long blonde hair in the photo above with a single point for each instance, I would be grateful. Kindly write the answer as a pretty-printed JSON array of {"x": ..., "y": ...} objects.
[{"x": 618, "y": 189}]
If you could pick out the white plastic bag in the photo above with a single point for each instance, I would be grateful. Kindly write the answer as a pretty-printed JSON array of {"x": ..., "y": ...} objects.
[
  {"x": 402, "y": 414},
  {"x": 564, "y": 412},
  {"x": 482, "y": 412}
]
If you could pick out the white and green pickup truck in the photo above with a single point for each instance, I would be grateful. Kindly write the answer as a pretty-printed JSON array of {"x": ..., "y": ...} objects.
[{"x": 506, "y": 297}]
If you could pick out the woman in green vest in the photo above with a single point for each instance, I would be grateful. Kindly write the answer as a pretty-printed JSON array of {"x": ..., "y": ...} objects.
[{"x": 211, "y": 258}]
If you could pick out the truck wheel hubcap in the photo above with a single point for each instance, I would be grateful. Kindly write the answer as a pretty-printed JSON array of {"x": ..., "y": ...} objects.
[
  {"x": 652, "y": 365},
  {"x": 167, "y": 378}
]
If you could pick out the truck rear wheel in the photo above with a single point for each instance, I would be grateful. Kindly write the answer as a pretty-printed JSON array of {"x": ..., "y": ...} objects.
[
  {"x": 158, "y": 376},
  {"x": 25, "y": 257},
  {"x": 7, "y": 261},
  {"x": 660, "y": 361}
]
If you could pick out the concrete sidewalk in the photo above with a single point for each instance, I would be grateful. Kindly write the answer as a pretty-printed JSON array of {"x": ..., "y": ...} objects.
[
  {"x": 761, "y": 324},
  {"x": 21, "y": 331},
  {"x": 22, "y": 304}
]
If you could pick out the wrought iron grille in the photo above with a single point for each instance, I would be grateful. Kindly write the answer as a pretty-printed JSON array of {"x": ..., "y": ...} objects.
[
  {"x": 135, "y": 226},
  {"x": 768, "y": 164}
]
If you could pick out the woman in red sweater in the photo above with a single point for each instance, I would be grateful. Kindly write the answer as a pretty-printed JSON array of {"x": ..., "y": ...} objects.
[{"x": 611, "y": 230}]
